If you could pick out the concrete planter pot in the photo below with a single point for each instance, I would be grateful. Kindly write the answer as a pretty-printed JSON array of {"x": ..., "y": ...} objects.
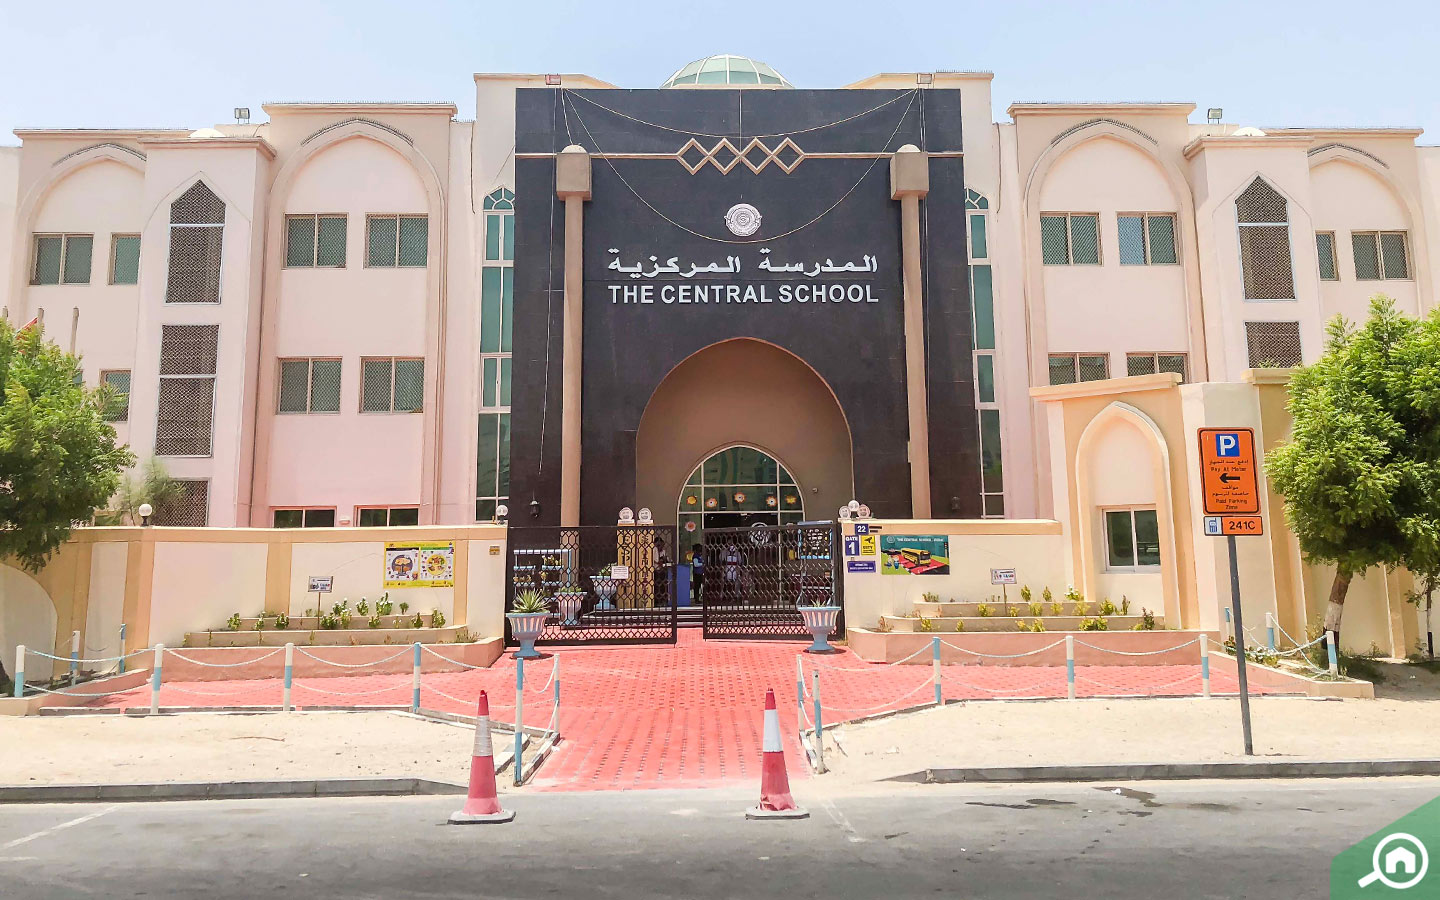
[
  {"x": 820, "y": 621},
  {"x": 570, "y": 603},
  {"x": 526, "y": 627},
  {"x": 605, "y": 590}
]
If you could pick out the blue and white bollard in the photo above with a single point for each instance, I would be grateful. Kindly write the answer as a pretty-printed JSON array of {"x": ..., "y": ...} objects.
[
  {"x": 819, "y": 727},
  {"x": 1270, "y": 631},
  {"x": 1330, "y": 651},
  {"x": 415, "y": 681},
  {"x": 1205, "y": 666},
  {"x": 155, "y": 677},
  {"x": 74, "y": 657},
  {"x": 799, "y": 683},
  {"x": 518, "y": 763},
  {"x": 20, "y": 670},
  {"x": 121, "y": 654},
  {"x": 1070, "y": 667},
  {"x": 1229, "y": 626},
  {"x": 557, "y": 697},
  {"x": 935, "y": 669},
  {"x": 289, "y": 676}
]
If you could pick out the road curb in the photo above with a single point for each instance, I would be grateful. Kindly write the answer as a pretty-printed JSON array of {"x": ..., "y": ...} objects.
[
  {"x": 1177, "y": 771},
  {"x": 225, "y": 790}
]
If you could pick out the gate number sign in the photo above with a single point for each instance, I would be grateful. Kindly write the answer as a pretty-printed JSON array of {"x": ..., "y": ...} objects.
[{"x": 1229, "y": 483}]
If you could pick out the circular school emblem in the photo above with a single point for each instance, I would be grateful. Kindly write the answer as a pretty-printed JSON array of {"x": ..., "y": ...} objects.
[{"x": 743, "y": 220}]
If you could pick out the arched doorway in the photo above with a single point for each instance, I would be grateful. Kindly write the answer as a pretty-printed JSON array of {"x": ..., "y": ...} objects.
[{"x": 734, "y": 488}]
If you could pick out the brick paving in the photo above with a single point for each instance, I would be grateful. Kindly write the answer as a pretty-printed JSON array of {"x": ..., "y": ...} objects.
[{"x": 687, "y": 715}]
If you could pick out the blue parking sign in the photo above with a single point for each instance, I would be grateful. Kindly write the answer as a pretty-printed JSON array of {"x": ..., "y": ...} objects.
[{"x": 1227, "y": 443}]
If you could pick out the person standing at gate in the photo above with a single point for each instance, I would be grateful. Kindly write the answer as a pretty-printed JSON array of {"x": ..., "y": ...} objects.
[
  {"x": 661, "y": 563},
  {"x": 732, "y": 573},
  {"x": 697, "y": 574}
]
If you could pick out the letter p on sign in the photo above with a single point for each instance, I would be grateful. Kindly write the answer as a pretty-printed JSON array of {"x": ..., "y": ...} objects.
[{"x": 1227, "y": 444}]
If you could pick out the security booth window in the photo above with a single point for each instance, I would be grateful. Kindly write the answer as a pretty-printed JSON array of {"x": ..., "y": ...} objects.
[{"x": 1132, "y": 538}]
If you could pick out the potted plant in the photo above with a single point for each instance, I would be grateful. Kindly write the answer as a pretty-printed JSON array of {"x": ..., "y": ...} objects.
[
  {"x": 527, "y": 621},
  {"x": 570, "y": 598},
  {"x": 604, "y": 588},
  {"x": 819, "y": 613}
]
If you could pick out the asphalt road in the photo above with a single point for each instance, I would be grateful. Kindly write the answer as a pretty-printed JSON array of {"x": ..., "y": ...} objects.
[{"x": 1171, "y": 840}]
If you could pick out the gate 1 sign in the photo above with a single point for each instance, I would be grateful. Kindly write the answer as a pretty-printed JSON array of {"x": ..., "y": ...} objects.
[{"x": 915, "y": 554}]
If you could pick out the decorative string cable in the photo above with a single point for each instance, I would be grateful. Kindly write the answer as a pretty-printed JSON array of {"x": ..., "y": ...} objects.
[
  {"x": 393, "y": 687},
  {"x": 1132, "y": 691},
  {"x": 179, "y": 690},
  {"x": 1002, "y": 655},
  {"x": 741, "y": 135},
  {"x": 888, "y": 703},
  {"x": 871, "y": 667},
  {"x": 776, "y": 237},
  {"x": 454, "y": 662},
  {"x": 80, "y": 694},
  {"x": 178, "y": 655},
  {"x": 85, "y": 659},
  {"x": 1138, "y": 652},
  {"x": 980, "y": 687},
  {"x": 340, "y": 665}
]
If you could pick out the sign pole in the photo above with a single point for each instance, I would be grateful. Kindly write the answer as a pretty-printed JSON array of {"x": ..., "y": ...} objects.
[{"x": 1240, "y": 646}]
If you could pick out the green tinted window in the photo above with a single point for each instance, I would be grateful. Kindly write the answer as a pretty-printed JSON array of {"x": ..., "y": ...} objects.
[
  {"x": 978, "y": 247},
  {"x": 984, "y": 302},
  {"x": 405, "y": 515},
  {"x": 1147, "y": 538},
  {"x": 125, "y": 259},
  {"x": 1085, "y": 240},
  {"x": 491, "y": 301},
  {"x": 330, "y": 242},
  {"x": 380, "y": 240},
  {"x": 409, "y": 385},
  {"x": 1162, "y": 240},
  {"x": 991, "y": 476},
  {"x": 489, "y": 376},
  {"x": 289, "y": 518},
  {"x": 487, "y": 455},
  {"x": 372, "y": 518},
  {"x": 1054, "y": 243},
  {"x": 47, "y": 260},
  {"x": 985, "y": 378},
  {"x": 325, "y": 385},
  {"x": 1132, "y": 240},
  {"x": 299, "y": 241},
  {"x": 1325, "y": 251},
  {"x": 294, "y": 385},
  {"x": 1367, "y": 256},
  {"x": 78, "y": 248},
  {"x": 1119, "y": 539},
  {"x": 414, "y": 240}
]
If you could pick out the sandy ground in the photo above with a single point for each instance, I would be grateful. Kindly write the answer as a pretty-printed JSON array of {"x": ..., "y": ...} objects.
[
  {"x": 1141, "y": 731},
  {"x": 217, "y": 747}
]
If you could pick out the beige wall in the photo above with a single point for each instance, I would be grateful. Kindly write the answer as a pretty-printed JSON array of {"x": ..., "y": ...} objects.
[
  {"x": 743, "y": 392},
  {"x": 198, "y": 585},
  {"x": 359, "y": 571}
]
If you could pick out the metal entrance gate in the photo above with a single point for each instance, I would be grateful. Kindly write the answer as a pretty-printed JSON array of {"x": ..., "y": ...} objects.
[
  {"x": 755, "y": 577},
  {"x": 605, "y": 584}
]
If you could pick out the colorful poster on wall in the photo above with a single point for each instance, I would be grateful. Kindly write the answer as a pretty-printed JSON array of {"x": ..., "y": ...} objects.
[
  {"x": 422, "y": 564},
  {"x": 914, "y": 554}
]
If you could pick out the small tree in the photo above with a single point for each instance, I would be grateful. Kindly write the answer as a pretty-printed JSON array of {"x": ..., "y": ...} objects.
[
  {"x": 1356, "y": 481},
  {"x": 151, "y": 484}
]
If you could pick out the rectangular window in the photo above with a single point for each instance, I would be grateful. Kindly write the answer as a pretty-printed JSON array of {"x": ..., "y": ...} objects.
[
  {"x": 1147, "y": 239},
  {"x": 492, "y": 464},
  {"x": 117, "y": 407},
  {"x": 304, "y": 518},
  {"x": 316, "y": 240},
  {"x": 1069, "y": 368},
  {"x": 1325, "y": 253},
  {"x": 1132, "y": 538},
  {"x": 62, "y": 259},
  {"x": 985, "y": 378},
  {"x": 184, "y": 418},
  {"x": 191, "y": 509},
  {"x": 1150, "y": 363},
  {"x": 1273, "y": 345},
  {"x": 497, "y": 308},
  {"x": 1070, "y": 239},
  {"x": 979, "y": 245},
  {"x": 1380, "y": 255},
  {"x": 396, "y": 241},
  {"x": 309, "y": 386},
  {"x": 381, "y": 517},
  {"x": 495, "y": 382},
  {"x": 194, "y": 269},
  {"x": 125, "y": 259},
  {"x": 392, "y": 385}
]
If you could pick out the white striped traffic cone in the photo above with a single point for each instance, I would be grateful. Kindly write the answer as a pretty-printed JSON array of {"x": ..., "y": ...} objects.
[
  {"x": 482, "y": 805},
  {"x": 775, "y": 799}
]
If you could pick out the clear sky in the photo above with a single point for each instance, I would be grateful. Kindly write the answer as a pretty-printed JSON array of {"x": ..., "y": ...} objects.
[{"x": 187, "y": 64}]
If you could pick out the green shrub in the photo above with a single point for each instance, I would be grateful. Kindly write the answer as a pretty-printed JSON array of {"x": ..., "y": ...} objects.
[
  {"x": 1124, "y": 605},
  {"x": 437, "y": 619},
  {"x": 233, "y": 623},
  {"x": 1094, "y": 624},
  {"x": 983, "y": 610},
  {"x": 1107, "y": 608},
  {"x": 926, "y": 624},
  {"x": 282, "y": 621},
  {"x": 375, "y": 621},
  {"x": 363, "y": 607},
  {"x": 1036, "y": 609}
]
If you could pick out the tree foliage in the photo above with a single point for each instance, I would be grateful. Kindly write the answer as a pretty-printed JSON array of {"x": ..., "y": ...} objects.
[
  {"x": 1360, "y": 471},
  {"x": 150, "y": 484},
  {"x": 58, "y": 456}
]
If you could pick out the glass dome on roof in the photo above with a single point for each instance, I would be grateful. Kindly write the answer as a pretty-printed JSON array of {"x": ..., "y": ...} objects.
[{"x": 726, "y": 69}]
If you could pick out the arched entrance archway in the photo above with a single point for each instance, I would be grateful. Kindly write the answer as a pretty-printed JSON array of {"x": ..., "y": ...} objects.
[
  {"x": 737, "y": 487},
  {"x": 743, "y": 393}
]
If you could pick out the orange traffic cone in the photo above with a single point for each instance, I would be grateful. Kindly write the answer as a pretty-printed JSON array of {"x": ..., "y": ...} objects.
[
  {"x": 482, "y": 805},
  {"x": 775, "y": 799}
]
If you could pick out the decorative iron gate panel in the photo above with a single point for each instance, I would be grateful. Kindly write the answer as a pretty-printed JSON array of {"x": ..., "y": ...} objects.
[
  {"x": 620, "y": 580},
  {"x": 754, "y": 578}
]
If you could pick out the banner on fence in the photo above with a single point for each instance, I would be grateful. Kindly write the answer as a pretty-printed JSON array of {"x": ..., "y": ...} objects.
[{"x": 420, "y": 564}]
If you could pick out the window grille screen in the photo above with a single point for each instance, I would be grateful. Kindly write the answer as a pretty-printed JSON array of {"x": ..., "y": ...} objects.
[
  {"x": 1094, "y": 368},
  {"x": 1392, "y": 254},
  {"x": 1260, "y": 203},
  {"x": 1162, "y": 240},
  {"x": 1054, "y": 245},
  {"x": 194, "y": 272},
  {"x": 325, "y": 385},
  {"x": 409, "y": 385},
  {"x": 190, "y": 509},
  {"x": 1273, "y": 344},
  {"x": 125, "y": 259},
  {"x": 1085, "y": 240},
  {"x": 414, "y": 238},
  {"x": 375, "y": 385},
  {"x": 188, "y": 349},
  {"x": 381, "y": 239},
  {"x": 1265, "y": 259},
  {"x": 78, "y": 249},
  {"x": 1325, "y": 252},
  {"x": 117, "y": 409},
  {"x": 183, "y": 423},
  {"x": 1173, "y": 362},
  {"x": 47, "y": 260},
  {"x": 330, "y": 242},
  {"x": 1132, "y": 240},
  {"x": 198, "y": 206},
  {"x": 1367, "y": 255},
  {"x": 294, "y": 378},
  {"x": 1062, "y": 370},
  {"x": 299, "y": 241},
  {"x": 1140, "y": 365}
]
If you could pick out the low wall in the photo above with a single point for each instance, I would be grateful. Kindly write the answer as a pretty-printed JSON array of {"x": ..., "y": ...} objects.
[
  {"x": 78, "y": 695},
  {"x": 881, "y": 647},
  {"x": 195, "y": 663}
]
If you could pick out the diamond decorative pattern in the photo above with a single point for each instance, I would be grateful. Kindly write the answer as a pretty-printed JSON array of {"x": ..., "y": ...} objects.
[{"x": 725, "y": 156}]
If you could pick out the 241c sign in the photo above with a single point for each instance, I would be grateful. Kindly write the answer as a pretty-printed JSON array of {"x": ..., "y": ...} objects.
[{"x": 1229, "y": 481}]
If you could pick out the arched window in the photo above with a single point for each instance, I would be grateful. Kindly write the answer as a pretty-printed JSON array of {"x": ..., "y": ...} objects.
[
  {"x": 738, "y": 487},
  {"x": 197, "y": 227},
  {"x": 1264, "y": 222},
  {"x": 497, "y": 297}
]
